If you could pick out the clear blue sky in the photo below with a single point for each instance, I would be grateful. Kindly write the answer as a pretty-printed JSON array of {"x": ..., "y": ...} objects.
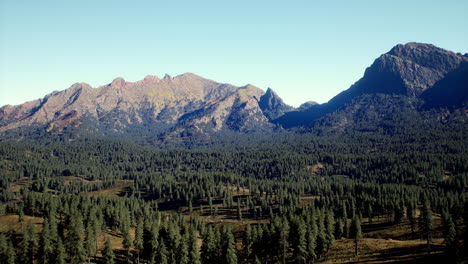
[{"x": 304, "y": 50}]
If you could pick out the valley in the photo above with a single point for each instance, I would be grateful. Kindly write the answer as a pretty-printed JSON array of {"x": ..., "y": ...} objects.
[{"x": 188, "y": 170}]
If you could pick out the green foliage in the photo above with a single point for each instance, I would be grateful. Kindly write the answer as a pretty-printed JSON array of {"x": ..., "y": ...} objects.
[
  {"x": 309, "y": 189},
  {"x": 108, "y": 253},
  {"x": 355, "y": 233},
  {"x": 426, "y": 224}
]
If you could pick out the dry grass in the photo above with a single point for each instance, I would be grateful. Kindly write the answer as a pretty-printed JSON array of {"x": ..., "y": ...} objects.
[
  {"x": 11, "y": 221},
  {"x": 17, "y": 186},
  {"x": 117, "y": 191},
  {"x": 374, "y": 250}
]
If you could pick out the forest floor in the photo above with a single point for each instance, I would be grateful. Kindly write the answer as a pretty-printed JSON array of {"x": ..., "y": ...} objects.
[
  {"x": 375, "y": 247},
  {"x": 377, "y": 250}
]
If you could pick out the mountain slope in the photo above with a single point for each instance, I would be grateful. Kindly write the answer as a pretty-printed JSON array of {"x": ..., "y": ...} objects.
[
  {"x": 411, "y": 83},
  {"x": 451, "y": 91},
  {"x": 407, "y": 70},
  {"x": 187, "y": 99}
]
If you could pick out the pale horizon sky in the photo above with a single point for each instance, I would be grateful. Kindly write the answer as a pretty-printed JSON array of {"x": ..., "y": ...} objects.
[{"x": 303, "y": 50}]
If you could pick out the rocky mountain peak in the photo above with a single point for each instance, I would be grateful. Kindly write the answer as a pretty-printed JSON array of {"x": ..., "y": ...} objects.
[
  {"x": 151, "y": 79},
  {"x": 307, "y": 105},
  {"x": 428, "y": 55},
  {"x": 167, "y": 77},
  {"x": 118, "y": 83},
  {"x": 408, "y": 69},
  {"x": 272, "y": 105}
]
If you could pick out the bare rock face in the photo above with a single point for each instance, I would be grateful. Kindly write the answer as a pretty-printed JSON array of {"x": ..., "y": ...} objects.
[
  {"x": 272, "y": 105},
  {"x": 181, "y": 101},
  {"x": 429, "y": 56},
  {"x": 408, "y": 69}
]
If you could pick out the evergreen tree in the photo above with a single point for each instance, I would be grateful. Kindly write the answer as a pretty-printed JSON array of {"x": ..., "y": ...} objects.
[
  {"x": 107, "y": 252},
  {"x": 311, "y": 242},
  {"x": 231, "y": 256},
  {"x": 426, "y": 224},
  {"x": 59, "y": 256},
  {"x": 239, "y": 211},
  {"x": 339, "y": 228},
  {"x": 451, "y": 239},
  {"x": 127, "y": 243},
  {"x": 320, "y": 246},
  {"x": 247, "y": 241},
  {"x": 10, "y": 253},
  {"x": 183, "y": 252},
  {"x": 138, "y": 242},
  {"x": 7, "y": 250},
  {"x": 209, "y": 247},
  {"x": 29, "y": 244},
  {"x": 193, "y": 248},
  {"x": 356, "y": 233},
  {"x": 411, "y": 214},
  {"x": 330, "y": 230},
  {"x": 46, "y": 243},
  {"x": 163, "y": 253},
  {"x": 3, "y": 247},
  {"x": 90, "y": 242},
  {"x": 283, "y": 239},
  {"x": 300, "y": 242},
  {"x": 75, "y": 238}
]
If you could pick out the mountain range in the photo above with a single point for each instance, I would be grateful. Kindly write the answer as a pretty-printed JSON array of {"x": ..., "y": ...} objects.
[{"x": 411, "y": 81}]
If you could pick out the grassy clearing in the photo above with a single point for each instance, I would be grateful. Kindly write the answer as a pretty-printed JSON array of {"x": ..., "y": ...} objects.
[
  {"x": 119, "y": 190},
  {"x": 375, "y": 250},
  {"x": 11, "y": 221}
]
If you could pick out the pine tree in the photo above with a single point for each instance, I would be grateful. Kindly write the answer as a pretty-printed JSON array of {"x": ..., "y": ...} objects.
[
  {"x": 239, "y": 211},
  {"x": 108, "y": 253},
  {"x": 426, "y": 224},
  {"x": 311, "y": 242},
  {"x": 356, "y": 233},
  {"x": 127, "y": 244},
  {"x": 90, "y": 242},
  {"x": 283, "y": 239},
  {"x": 411, "y": 214},
  {"x": 46, "y": 248},
  {"x": 163, "y": 254},
  {"x": 300, "y": 245},
  {"x": 209, "y": 246},
  {"x": 193, "y": 248},
  {"x": 320, "y": 247},
  {"x": 154, "y": 242},
  {"x": 59, "y": 255},
  {"x": 339, "y": 229},
  {"x": 7, "y": 250},
  {"x": 10, "y": 253},
  {"x": 138, "y": 242},
  {"x": 75, "y": 239},
  {"x": 451, "y": 239},
  {"x": 330, "y": 230},
  {"x": 29, "y": 244},
  {"x": 231, "y": 256},
  {"x": 3, "y": 247},
  {"x": 247, "y": 241},
  {"x": 183, "y": 252}
]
